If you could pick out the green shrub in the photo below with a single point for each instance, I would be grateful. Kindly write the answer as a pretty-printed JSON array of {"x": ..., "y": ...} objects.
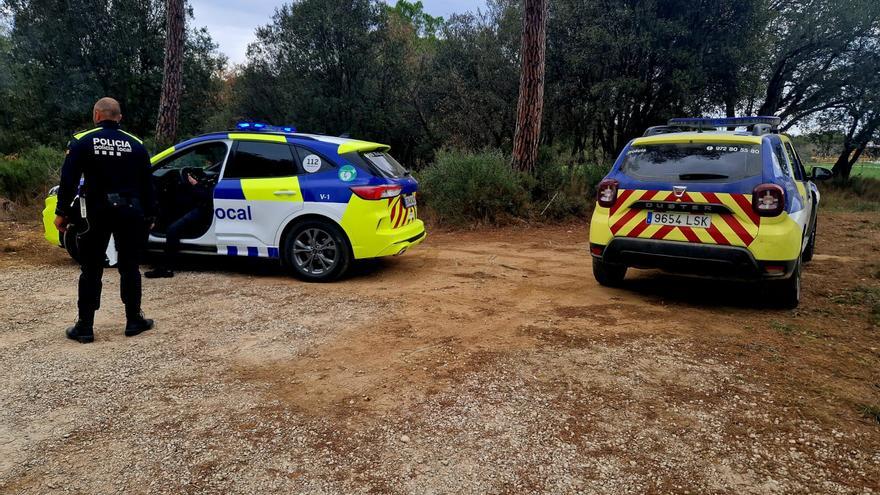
[
  {"x": 564, "y": 185},
  {"x": 26, "y": 176},
  {"x": 461, "y": 187}
]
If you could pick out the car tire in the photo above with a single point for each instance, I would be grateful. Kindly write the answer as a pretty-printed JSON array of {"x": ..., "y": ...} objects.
[
  {"x": 316, "y": 251},
  {"x": 811, "y": 244},
  {"x": 786, "y": 294},
  {"x": 608, "y": 274}
]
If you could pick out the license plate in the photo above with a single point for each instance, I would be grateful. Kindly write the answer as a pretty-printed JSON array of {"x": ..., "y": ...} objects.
[
  {"x": 409, "y": 200},
  {"x": 679, "y": 219}
]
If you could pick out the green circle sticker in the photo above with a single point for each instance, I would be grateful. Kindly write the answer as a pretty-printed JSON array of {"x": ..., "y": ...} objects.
[{"x": 347, "y": 173}]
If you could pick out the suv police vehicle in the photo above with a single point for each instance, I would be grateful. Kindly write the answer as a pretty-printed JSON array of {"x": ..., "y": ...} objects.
[
  {"x": 690, "y": 198},
  {"x": 314, "y": 202}
]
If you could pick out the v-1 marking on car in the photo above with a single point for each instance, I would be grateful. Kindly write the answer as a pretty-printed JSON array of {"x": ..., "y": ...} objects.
[{"x": 314, "y": 202}]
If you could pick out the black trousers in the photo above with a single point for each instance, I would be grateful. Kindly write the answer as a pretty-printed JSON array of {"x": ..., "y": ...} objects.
[
  {"x": 182, "y": 226},
  {"x": 129, "y": 232}
]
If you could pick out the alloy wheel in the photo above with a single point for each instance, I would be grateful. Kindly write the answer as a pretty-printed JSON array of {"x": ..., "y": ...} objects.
[{"x": 315, "y": 251}]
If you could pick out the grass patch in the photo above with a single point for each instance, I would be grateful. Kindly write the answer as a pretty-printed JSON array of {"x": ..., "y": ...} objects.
[
  {"x": 783, "y": 328},
  {"x": 866, "y": 297},
  {"x": 859, "y": 295},
  {"x": 867, "y": 170},
  {"x": 859, "y": 194},
  {"x": 790, "y": 329},
  {"x": 871, "y": 412},
  {"x": 874, "y": 317}
]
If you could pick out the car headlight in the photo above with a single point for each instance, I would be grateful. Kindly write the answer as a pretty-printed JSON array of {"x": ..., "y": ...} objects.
[{"x": 54, "y": 191}]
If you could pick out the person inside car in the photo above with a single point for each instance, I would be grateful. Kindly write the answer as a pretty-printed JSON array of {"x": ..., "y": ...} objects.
[{"x": 197, "y": 197}]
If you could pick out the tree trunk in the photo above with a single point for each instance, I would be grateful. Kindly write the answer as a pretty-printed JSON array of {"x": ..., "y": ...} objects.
[
  {"x": 845, "y": 162},
  {"x": 773, "y": 97},
  {"x": 169, "y": 102},
  {"x": 858, "y": 154},
  {"x": 531, "y": 85},
  {"x": 842, "y": 167},
  {"x": 730, "y": 105}
]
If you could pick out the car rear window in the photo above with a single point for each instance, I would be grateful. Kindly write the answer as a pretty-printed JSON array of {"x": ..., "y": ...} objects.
[
  {"x": 700, "y": 162},
  {"x": 379, "y": 163},
  {"x": 386, "y": 164}
]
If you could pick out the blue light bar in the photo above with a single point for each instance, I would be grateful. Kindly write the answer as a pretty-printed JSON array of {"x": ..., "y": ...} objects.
[
  {"x": 773, "y": 122},
  {"x": 261, "y": 126}
]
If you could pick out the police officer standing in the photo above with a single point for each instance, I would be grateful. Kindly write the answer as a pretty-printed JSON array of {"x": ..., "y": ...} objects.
[{"x": 119, "y": 200}]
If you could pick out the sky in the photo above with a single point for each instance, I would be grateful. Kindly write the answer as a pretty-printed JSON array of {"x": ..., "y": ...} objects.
[{"x": 232, "y": 22}]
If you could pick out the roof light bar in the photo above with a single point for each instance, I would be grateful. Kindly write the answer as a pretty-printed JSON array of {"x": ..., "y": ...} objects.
[
  {"x": 264, "y": 127},
  {"x": 772, "y": 121}
]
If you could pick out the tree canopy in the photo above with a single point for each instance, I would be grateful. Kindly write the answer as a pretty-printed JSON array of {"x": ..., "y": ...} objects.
[
  {"x": 395, "y": 74},
  {"x": 65, "y": 54}
]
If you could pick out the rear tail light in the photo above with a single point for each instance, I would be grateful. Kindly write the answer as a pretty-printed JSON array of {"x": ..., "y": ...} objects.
[
  {"x": 607, "y": 192},
  {"x": 768, "y": 200},
  {"x": 377, "y": 192},
  {"x": 597, "y": 249}
]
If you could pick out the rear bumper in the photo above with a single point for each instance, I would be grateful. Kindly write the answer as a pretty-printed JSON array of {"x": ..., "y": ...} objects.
[
  {"x": 731, "y": 262},
  {"x": 391, "y": 242}
]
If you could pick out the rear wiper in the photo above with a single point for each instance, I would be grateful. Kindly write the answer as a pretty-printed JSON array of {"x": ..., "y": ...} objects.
[{"x": 701, "y": 176}]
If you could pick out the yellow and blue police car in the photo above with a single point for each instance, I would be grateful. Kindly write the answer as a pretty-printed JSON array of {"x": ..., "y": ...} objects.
[
  {"x": 690, "y": 198},
  {"x": 314, "y": 202}
]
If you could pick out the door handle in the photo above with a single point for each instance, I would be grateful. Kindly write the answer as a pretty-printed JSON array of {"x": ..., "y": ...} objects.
[{"x": 285, "y": 193}]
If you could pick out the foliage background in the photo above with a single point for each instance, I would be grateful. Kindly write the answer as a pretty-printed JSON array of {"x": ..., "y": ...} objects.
[{"x": 440, "y": 90}]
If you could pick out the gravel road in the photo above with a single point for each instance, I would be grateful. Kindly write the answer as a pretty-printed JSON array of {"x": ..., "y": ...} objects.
[{"x": 481, "y": 362}]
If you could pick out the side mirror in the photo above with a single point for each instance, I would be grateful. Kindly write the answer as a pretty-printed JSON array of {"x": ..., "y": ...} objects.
[{"x": 821, "y": 173}]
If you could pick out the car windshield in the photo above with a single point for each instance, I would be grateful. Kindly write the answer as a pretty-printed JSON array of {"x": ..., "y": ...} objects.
[
  {"x": 205, "y": 156},
  {"x": 708, "y": 162},
  {"x": 386, "y": 164}
]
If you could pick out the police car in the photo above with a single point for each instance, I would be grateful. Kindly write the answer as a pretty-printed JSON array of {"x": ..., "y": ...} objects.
[
  {"x": 314, "y": 202},
  {"x": 690, "y": 198}
]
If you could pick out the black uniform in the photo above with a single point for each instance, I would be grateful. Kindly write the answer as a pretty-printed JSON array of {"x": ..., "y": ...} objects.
[
  {"x": 119, "y": 198},
  {"x": 199, "y": 201}
]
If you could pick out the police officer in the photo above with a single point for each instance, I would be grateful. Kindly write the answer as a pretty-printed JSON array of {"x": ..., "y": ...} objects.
[{"x": 119, "y": 200}]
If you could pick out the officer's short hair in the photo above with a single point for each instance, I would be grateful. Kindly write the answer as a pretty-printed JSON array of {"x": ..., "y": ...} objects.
[{"x": 108, "y": 107}]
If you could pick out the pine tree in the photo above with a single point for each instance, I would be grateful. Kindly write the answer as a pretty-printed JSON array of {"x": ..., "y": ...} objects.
[
  {"x": 531, "y": 86},
  {"x": 169, "y": 102}
]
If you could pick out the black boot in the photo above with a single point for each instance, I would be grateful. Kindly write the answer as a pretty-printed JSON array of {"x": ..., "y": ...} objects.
[
  {"x": 137, "y": 324},
  {"x": 81, "y": 332},
  {"x": 159, "y": 272}
]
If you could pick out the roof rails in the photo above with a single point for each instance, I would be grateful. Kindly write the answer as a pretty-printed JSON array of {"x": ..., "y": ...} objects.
[
  {"x": 759, "y": 125},
  {"x": 667, "y": 129}
]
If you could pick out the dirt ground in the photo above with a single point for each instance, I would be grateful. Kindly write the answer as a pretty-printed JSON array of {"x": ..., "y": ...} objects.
[{"x": 479, "y": 362}]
